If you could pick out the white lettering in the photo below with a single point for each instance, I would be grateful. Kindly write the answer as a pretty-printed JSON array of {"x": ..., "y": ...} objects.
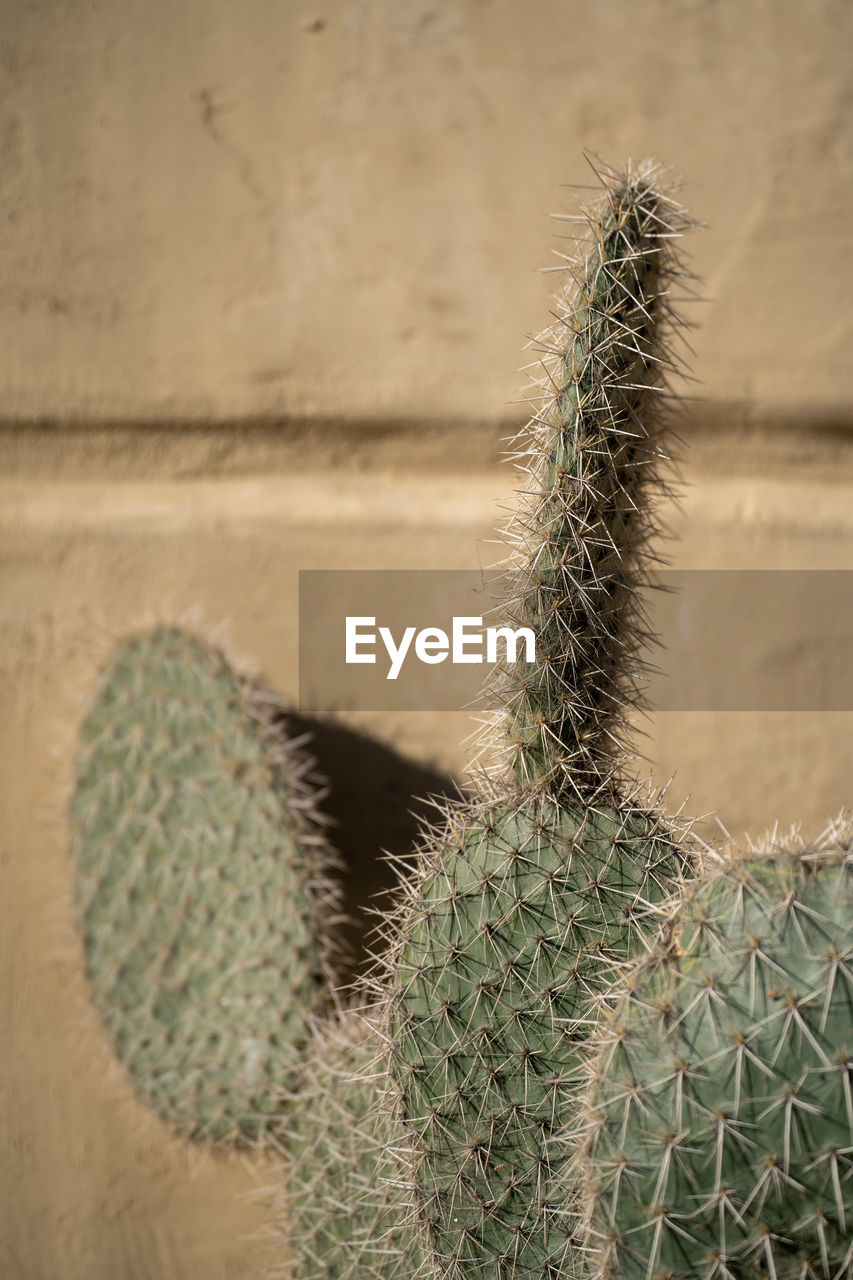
[
  {"x": 432, "y": 645},
  {"x": 397, "y": 655},
  {"x": 354, "y": 639},
  {"x": 461, "y": 638},
  {"x": 511, "y": 639}
]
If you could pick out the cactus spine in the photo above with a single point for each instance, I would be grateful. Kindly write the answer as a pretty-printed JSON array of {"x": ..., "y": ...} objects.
[
  {"x": 523, "y": 897},
  {"x": 720, "y": 1108},
  {"x": 201, "y": 882}
]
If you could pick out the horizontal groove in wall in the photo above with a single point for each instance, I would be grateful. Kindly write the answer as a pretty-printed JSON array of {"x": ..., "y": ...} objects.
[{"x": 725, "y": 438}]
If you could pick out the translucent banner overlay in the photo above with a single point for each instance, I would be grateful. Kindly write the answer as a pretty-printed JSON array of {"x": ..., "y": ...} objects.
[{"x": 730, "y": 640}]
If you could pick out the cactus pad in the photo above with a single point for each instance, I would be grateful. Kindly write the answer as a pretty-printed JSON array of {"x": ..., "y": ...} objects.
[
  {"x": 512, "y": 922},
  {"x": 721, "y": 1111},
  {"x": 200, "y": 883},
  {"x": 349, "y": 1200},
  {"x": 523, "y": 899}
]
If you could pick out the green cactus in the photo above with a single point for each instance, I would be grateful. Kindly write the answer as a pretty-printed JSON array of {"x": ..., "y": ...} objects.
[
  {"x": 349, "y": 1211},
  {"x": 201, "y": 882},
  {"x": 522, "y": 899},
  {"x": 720, "y": 1110}
]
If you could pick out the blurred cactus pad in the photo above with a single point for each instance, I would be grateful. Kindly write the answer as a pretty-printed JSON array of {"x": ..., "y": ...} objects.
[
  {"x": 202, "y": 887},
  {"x": 720, "y": 1114},
  {"x": 349, "y": 1207}
]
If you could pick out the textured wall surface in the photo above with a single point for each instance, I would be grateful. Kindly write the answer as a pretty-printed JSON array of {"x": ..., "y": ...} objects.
[
  {"x": 267, "y": 271},
  {"x": 224, "y": 211}
]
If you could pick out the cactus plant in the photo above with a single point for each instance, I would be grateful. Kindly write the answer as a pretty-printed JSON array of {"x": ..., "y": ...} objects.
[
  {"x": 202, "y": 886},
  {"x": 521, "y": 898},
  {"x": 718, "y": 1122},
  {"x": 436, "y": 1135},
  {"x": 348, "y": 1202},
  {"x": 720, "y": 1109}
]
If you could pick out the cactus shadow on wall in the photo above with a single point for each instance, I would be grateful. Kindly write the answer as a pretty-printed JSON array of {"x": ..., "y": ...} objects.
[{"x": 377, "y": 801}]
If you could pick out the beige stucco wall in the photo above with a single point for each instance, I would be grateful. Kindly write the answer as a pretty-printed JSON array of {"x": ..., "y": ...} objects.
[
  {"x": 213, "y": 209},
  {"x": 266, "y": 275}
]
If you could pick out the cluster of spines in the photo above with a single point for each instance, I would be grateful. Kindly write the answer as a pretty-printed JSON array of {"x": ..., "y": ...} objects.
[
  {"x": 203, "y": 881},
  {"x": 718, "y": 1120}
]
